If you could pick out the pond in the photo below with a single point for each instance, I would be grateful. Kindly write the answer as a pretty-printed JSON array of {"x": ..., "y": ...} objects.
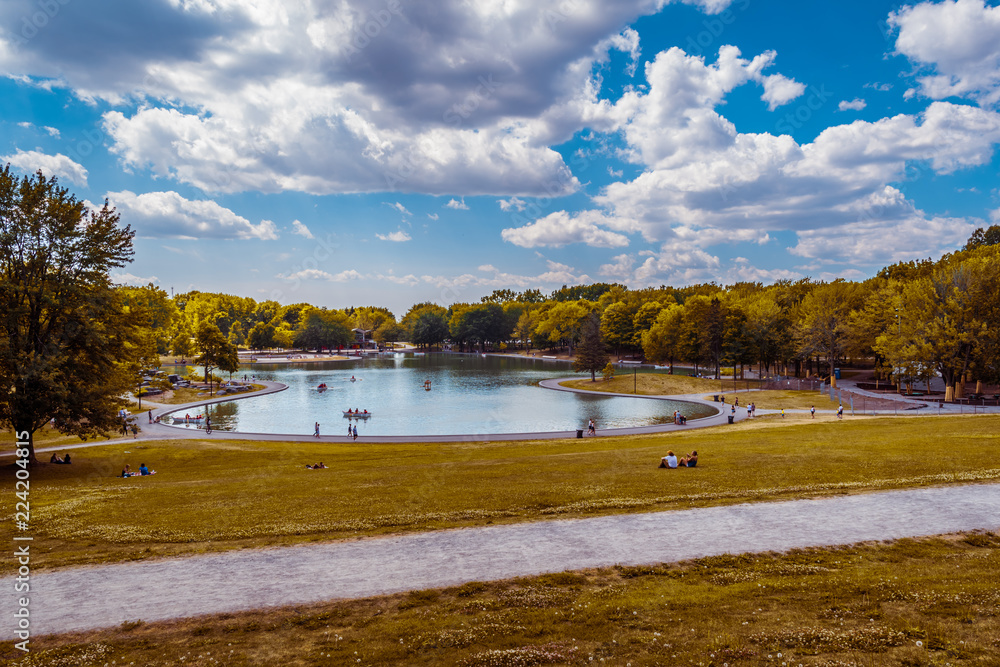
[{"x": 469, "y": 394}]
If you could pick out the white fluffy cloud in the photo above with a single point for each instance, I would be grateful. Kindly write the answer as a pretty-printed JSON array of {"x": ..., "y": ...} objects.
[
  {"x": 959, "y": 40},
  {"x": 169, "y": 215},
  {"x": 50, "y": 165},
  {"x": 457, "y": 205},
  {"x": 864, "y": 242},
  {"x": 561, "y": 228},
  {"x": 857, "y": 104},
  {"x": 706, "y": 183},
  {"x": 301, "y": 230},
  {"x": 334, "y": 97},
  {"x": 780, "y": 90},
  {"x": 399, "y": 236},
  {"x": 318, "y": 274},
  {"x": 766, "y": 183},
  {"x": 675, "y": 122},
  {"x": 125, "y": 278}
]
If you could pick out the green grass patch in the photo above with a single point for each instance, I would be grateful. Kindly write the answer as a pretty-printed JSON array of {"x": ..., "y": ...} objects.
[
  {"x": 909, "y": 603},
  {"x": 660, "y": 384},
  {"x": 220, "y": 494}
]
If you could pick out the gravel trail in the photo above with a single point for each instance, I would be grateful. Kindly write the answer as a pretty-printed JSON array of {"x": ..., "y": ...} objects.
[{"x": 101, "y": 596}]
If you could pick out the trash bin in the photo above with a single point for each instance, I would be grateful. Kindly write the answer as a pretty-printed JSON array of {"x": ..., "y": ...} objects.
[
  {"x": 579, "y": 432},
  {"x": 836, "y": 373},
  {"x": 730, "y": 419},
  {"x": 715, "y": 397}
]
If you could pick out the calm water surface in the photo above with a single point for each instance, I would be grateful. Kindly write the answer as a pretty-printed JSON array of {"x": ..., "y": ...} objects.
[{"x": 469, "y": 394}]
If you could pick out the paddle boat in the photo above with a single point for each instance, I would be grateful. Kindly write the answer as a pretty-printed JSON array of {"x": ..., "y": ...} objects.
[
  {"x": 322, "y": 387},
  {"x": 188, "y": 419},
  {"x": 358, "y": 414}
]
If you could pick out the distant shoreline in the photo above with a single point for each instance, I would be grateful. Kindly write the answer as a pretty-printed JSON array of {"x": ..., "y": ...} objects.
[{"x": 299, "y": 359}]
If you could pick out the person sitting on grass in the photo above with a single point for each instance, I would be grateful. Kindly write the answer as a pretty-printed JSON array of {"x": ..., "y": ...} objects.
[
  {"x": 127, "y": 471},
  {"x": 669, "y": 461},
  {"x": 55, "y": 459},
  {"x": 689, "y": 461},
  {"x": 143, "y": 470}
]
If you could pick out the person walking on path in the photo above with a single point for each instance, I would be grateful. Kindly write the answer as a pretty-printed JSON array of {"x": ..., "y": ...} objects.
[
  {"x": 208, "y": 425},
  {"x": 355, "y": 433},
  {"x": 150, "y": 413},
  {"x": 316, "y": 430},
  {"x": 840, "y": 412},
  {"x": 591, "y": 429},
  {"x": 348, "y": 429},
  {"x": 812, "y": 411},
  {"x": 135, "y": 431}
]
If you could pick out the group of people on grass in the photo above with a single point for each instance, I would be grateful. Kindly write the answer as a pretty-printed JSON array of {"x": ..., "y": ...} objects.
[
  {"x": 56, "y": 459},
  {"x": 142, "y": 472},
  {"x": 671, "y": 460},
  {"x": 316, "y": 466}
]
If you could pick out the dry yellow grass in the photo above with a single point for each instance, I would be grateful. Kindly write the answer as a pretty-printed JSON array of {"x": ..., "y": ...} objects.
[
  {"x": 659, "y": 384},
  {"x": 215, "y": 495},
  {"x": 903, "y": 604}
]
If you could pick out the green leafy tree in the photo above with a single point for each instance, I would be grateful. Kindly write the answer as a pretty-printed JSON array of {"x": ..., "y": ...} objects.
[
  {"x": 323, "y": 328},
  {"x": 261, "y": 336},
  {"x": 67, "y": 345},
  {"x": 181, "y": 344},
  {"x": 158, "y": 311},
  {"x": 824, "y": 327},
  {"x": 981, "y": 237},
  {"x": 561, "y": 324},
  {"x": 591, "y": 353},
  {"x": 429, "y": 328},
  {"x": 617, "y": 325},
  {"x": 216, "y": 351},
  {"x": 662, "y": 342},
  {"x": 643, "y": 320},
  {"x": 389, "y": 332}
]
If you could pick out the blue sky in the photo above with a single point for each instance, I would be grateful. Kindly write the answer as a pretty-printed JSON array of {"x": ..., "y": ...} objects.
[{"x": 389, "y": 152}]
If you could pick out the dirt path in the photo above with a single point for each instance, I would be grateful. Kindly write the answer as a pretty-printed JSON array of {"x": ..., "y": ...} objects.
[{"x": 100, "y": 596}]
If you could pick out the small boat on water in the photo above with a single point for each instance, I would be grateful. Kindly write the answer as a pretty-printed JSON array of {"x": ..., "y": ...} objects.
[
  {"x": 350, "y": 414},
  {"x": 190, "y": 420},
  {"x": 322, "y": 387}
]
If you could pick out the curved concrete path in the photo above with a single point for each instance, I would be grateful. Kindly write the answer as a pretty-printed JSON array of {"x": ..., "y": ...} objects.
[{"x": 100, "y": 596}]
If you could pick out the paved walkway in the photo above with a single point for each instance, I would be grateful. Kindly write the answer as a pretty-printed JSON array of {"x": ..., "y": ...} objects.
[{"x": 101, "y": 596}]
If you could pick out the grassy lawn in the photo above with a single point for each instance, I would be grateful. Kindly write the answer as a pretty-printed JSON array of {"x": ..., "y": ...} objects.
[
  {"x": 655, "y": 384},
  {"x": 660, "y": 384},
  {"x": 190, "y": 395},
  {"x": 214, "y": 495},
  {"x": 908, "y": 603}
]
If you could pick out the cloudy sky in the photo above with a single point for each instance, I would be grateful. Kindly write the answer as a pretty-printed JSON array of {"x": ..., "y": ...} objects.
[{"x": 351, "y": 152}]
